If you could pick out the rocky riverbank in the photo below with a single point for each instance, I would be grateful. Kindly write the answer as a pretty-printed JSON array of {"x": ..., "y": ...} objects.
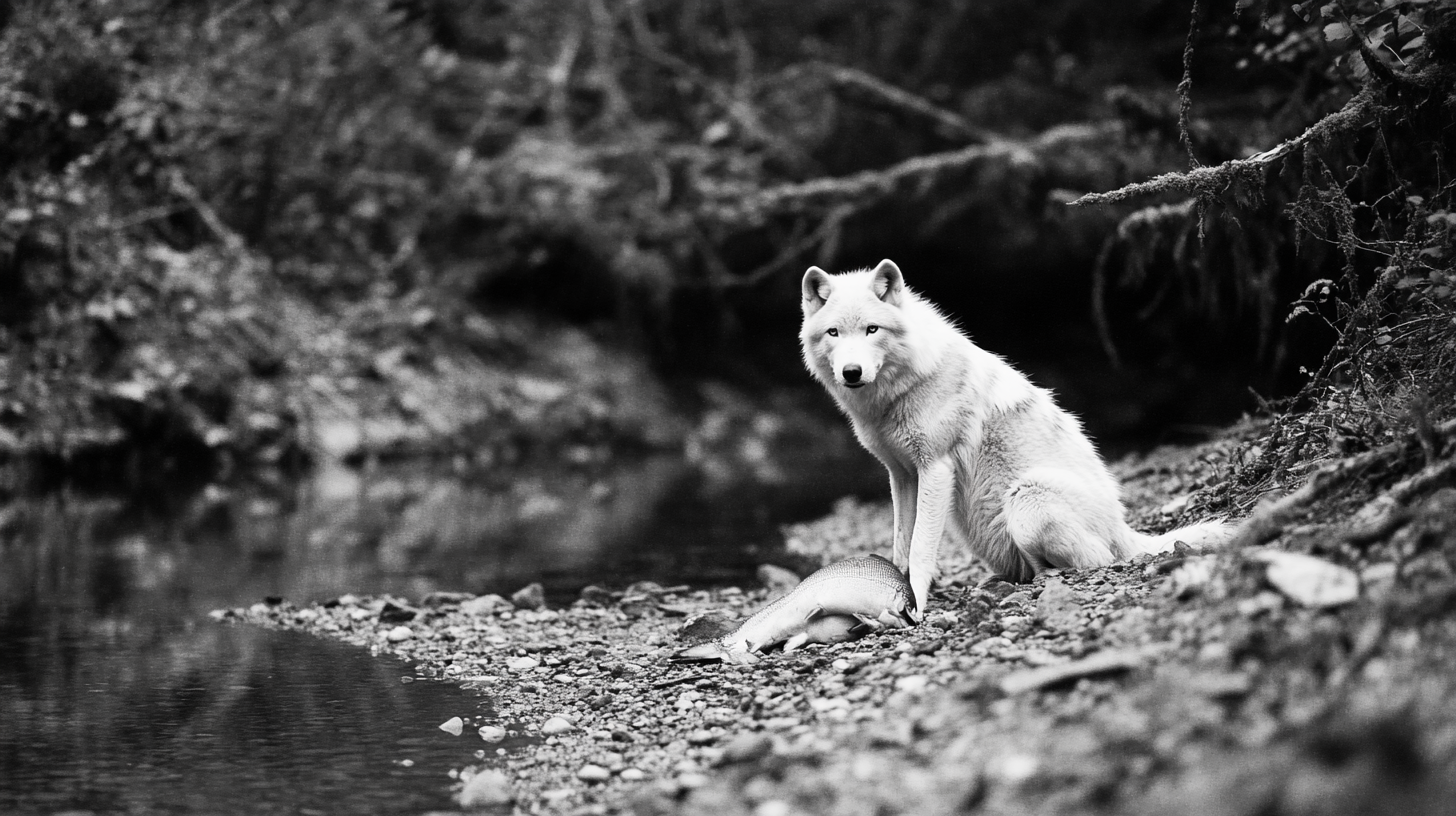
[{"x": 1236, "y": 682}]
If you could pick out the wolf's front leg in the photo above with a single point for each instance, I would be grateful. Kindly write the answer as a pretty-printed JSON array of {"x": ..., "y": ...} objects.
[
  {"x": 903, "y": 488},
  {"x": 936, "y": 481}
]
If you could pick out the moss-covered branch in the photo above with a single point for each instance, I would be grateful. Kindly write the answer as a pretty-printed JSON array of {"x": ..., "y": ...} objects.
[{"x": 1212, "y": 181}]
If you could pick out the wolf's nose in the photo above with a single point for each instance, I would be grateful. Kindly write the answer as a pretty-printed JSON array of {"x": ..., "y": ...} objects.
[{"x": 852, "y": 373}]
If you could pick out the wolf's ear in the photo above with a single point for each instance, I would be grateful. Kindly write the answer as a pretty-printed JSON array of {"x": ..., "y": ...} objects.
[
  {"x": 887, "y": 282},
  {"x": 816, "y": 288}
]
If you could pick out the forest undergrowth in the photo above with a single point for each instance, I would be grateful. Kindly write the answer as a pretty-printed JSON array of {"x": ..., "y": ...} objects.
[
  {"x": 251, "y": 232},
  {"x": 1370, "y": 185}
]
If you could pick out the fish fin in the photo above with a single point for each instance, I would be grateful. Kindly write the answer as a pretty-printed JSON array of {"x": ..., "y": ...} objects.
[
  {"x": 796, "y": 642},
  {"x": 813, "y": 613},
  {"x": 701, "y": 653},
  {"x": 865, "y": 626}
]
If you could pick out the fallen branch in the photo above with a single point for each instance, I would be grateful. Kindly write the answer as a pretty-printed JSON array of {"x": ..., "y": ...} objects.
[
  {"x": 1210, "y": 181},
  {"x": 867, "y": 186},
  {"x": 209, "y": 216},
  {"x": 900, "y": 98}
]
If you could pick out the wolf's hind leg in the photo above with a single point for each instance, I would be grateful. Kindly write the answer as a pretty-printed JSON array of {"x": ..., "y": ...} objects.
[{"x": 1057, "y": 526}]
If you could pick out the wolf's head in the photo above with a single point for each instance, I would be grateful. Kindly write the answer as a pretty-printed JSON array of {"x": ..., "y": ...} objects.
[{"x": 853, "y": 323}]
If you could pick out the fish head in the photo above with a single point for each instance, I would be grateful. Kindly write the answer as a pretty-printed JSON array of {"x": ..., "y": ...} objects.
[
  {"x": 896, "y": 618},
  {"x": 900, "y": 613}
]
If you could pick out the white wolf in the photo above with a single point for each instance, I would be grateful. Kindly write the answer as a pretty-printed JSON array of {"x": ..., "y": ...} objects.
[{"x": 974, "y": 450}]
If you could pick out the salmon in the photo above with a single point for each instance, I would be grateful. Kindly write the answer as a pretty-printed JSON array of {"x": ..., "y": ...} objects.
[{"x": 840, "y": 602}]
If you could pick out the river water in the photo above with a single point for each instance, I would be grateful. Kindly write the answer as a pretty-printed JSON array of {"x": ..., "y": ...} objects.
[{"x": 119, "y": 695}]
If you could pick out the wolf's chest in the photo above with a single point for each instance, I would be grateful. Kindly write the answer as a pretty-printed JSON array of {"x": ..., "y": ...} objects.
[{"x": 908, "y": 440}]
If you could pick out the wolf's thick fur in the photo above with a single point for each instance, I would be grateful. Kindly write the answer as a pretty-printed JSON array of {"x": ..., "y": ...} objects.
[{"x": 974, "y": 450}]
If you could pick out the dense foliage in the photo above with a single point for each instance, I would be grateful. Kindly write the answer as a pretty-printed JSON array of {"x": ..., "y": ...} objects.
[{"x": 276, "y": 193}]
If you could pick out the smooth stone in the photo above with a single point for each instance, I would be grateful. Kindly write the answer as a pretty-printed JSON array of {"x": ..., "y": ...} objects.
[
  {"x": 399, "y": 634},
  {"x": 556, "y": 725},
  {"x": 593, "y": 773},
  {"x": 491, "y": 733}
]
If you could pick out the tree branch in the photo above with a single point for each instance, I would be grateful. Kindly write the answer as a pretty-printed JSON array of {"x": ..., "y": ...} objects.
[
  {"x": 1209, "y": 181},
  {"x": 867, "y": 186},
  {"x": 846, "y": 77}
]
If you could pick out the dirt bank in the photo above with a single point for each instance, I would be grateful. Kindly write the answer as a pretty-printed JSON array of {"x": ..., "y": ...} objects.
[{"x": 1237, "y": 682}]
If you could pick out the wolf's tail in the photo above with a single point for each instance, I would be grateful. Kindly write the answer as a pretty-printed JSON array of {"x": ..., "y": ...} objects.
[{"x": 1205, "y": 535}]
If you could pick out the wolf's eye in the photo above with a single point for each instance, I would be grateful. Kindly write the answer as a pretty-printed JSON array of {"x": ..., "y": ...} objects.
[
  {"x": 872, "y": 329},
  {"x": 832, "y": 332}
]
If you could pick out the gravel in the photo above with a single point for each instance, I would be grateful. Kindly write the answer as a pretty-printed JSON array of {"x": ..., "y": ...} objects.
[{"x": 1128, "y": 689}]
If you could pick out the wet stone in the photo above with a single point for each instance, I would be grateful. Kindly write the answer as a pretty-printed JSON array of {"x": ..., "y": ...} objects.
[
  {"x": 394, "y": 613},
  {"x": 491, "y": 733},
  {"x": 531, "y": 596}
]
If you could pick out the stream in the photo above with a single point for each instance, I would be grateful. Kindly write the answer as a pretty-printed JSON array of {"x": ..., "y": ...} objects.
[{"x": 118, "y": 694}]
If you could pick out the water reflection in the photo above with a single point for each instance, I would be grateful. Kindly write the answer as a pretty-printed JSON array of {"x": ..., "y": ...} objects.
[
  {"x": 118, "y": 695},
  {"x": 216, "y": 719}
]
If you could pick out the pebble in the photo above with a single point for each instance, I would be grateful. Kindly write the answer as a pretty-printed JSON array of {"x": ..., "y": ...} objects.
[
  {"x": 912, "y": 684},
  {"x": 591, "y": 772},
  {"x": 747, "y": 747},
  {"x": 522, "y": 664},
  {"x": 453, "y": 726},
  {"x": 1057, "y": 606},
  {"x": 692, "y": 780},
  {"x": 491, "y": 733},
  {"x": 708, "y": 625},
  {"x": 632, "y": 775},
  {"x": 399, "y": 634},
  {"x": 556, "y": 725},
  {"x": 701, "y": 736},
  {"x": 594, "y": 595},
  {"x": 530, "y": 596},
  {"x": 1014, "y": 623},
  {"x": 1014, "y": 768},
  {"x": 1308, "y": 581},
  {"x": 773, "y": 807},
  {"x": 485, "y": 605},
  {"x": 488, "y": 788},
  {"x": 1104, "y": 662}
]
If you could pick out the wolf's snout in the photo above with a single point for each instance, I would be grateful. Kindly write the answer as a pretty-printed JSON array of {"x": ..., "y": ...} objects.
[{"x": 852, "y": 374}]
